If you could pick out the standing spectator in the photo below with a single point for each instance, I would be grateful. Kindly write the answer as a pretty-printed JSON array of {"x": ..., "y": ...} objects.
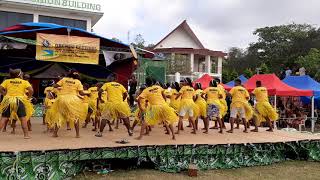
[
  {"x": 132, "y": 89},
  {"x": 302, "y": 71},
  {"x": 288, "y": 72}
]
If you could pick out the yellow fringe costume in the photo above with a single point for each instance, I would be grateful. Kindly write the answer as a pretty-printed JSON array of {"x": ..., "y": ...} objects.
[
  {"x": 265, "y": 110},
  {"x": 16, "y": 93},
  {"x": 201, "y": 103},
  {"x": 117, "y": 108},
  {"x": 249, "y": 112},
  {"x": 175, "y": 103},
  {"x": 158, "y": 110},
  {"x": 187, "y": 102},
  {"x": 168, "y": 94},
  {"x": 93, "y": 100},
  {"x": 263, "y": 107},
  {"x": 68, "y": 106},
  {"x": 223, "y": 102}
]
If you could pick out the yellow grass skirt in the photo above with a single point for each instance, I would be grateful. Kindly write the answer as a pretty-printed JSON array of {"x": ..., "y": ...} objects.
[
  {"x": 156, "y": 114},
  {"x": 116, "y": 110},
  {"x": 202, "y": 105},
  {"x": 265, "y": 110},
  {"x": 67, "y": 108},
  {"x": 13, "y": 103},
  {"x": 93, "y": 107},
  {"x": 224, "y": 107},
  {"x": 248, "y": 109},
  {"x": 175, "y": 104},
  {"x": 187, "y": 104}
]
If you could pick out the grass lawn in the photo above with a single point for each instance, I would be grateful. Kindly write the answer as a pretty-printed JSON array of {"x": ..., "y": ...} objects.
[{"x": 288, "y": 170}]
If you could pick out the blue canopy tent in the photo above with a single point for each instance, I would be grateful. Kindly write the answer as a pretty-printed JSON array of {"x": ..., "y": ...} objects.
[
  {"x": 241, "y": 77},
  {"x": 307, "y": 83}
]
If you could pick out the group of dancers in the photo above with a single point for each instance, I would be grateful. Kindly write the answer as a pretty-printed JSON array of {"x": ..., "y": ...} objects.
[{"x": 70, "y": 103}]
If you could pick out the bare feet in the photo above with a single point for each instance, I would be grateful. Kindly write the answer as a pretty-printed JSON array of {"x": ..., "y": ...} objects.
[
  {"x": 94, "y": 129},
  {"x": 230, "y": 131},
  {"x": 68, "y": 129},
  {"x": 254, "y": 130},
  {"x": 193, "y": 132},
  {"x": 173, "y": 138},
  {"x": 205, "y": 132},
  {"x": 99, "y": 134},
  {"x": 221, "y": 132},
  {"x": 245, "y": 131},
  {"x": 213, "y": 127},
  {"x": 138, "y": 138},
  {"x": 110, "y": 130},
  {"x": 270, "y": 130},
  {"x": 130, "y": 133},
  {"x": 167, "y": 133},
  {"x": 13, "y": 131},
  {"x": 77, "y": 136},
  {"x": 54, "y": 135},
  {"x": 237, "y": 127}
]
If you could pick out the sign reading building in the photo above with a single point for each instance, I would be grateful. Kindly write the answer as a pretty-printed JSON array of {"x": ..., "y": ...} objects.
[
  {"x": 69, "y": 49},
  {"x": 69, "y": 4}
]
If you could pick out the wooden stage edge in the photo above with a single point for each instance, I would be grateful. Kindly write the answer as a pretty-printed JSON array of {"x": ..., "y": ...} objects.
[{"x": 41, "y": 141}]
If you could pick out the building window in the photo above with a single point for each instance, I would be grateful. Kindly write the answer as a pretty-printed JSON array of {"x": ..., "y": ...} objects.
[
  {"x": 12, "y": 18},
  {"x": 64, "y": 22},
  {"x": 179, "y": 63}
]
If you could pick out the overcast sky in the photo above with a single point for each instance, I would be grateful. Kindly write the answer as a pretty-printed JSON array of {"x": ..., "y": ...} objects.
[{"x": 219, "y": 24}]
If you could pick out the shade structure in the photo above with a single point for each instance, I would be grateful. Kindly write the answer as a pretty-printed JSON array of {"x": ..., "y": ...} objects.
[
  {"x": 275, "y": 86},
  {"x": 25, "y": 33},
  {"x": 305, "y": 82},
  {"x": 241, "y": 77},
  {"x": 205, "y": 81}
]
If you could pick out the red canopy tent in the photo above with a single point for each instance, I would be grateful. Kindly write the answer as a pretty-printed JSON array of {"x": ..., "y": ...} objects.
[
  {"x": 275, "y": 86},
  {"x": 205, "y": 80}
]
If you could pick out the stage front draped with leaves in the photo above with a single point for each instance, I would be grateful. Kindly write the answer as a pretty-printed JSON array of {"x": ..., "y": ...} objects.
[{"x": 59, "y": 164}]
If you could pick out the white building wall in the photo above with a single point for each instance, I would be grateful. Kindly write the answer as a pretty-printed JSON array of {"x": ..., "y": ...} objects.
[
  {"x": 178, "y": 39},
  {"x": 38, "y": 13}
]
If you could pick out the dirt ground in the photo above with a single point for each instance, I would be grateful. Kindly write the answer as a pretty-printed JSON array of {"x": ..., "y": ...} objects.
[{"x": 289, "y": 170}]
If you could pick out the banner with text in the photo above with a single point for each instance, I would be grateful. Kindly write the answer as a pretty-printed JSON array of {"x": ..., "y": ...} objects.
[{"x": 69, "y": 49}]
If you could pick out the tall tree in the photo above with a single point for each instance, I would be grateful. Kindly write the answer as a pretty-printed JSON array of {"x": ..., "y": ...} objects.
[
  {"x": 116, "y": 39},
  {"x": 139, "y": 41},
  {"x": 311, "y": 62},
  {"x": 282, "y": 44}
]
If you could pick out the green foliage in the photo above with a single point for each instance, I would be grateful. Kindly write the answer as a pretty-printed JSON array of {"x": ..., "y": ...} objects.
[
  {"x": 229, "y": 75},
  {"x": 248, "y": 72},
  {"x": 277, "y": 47},
  {"x": 311, "y": 62},
  {"x": 139, "y": 41},
  {"x": 116, "y": 40},
  {"x": 264, "y": 69}
]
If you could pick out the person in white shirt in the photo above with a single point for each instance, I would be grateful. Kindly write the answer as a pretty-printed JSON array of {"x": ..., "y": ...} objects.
[{"x": 302, "y": 71}]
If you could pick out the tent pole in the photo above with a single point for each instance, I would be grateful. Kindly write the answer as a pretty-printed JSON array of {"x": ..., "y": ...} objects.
[
  {"x": 275, "y": 107},
  {"x": 312, "y": 114}
]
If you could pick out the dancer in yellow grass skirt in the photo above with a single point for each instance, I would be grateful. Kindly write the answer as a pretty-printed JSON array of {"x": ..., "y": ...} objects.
[
  {"x": 68, "y": 107},
  {"x": 138, "y": 114},
  {"x": 14, "y": 104},
  {"x": 224, "y": 107},
  {"x": 240, "y": 105},
  {"x": 167, "y": 93},
  {"x": 201, "y": 103},
  {"x": 263, "y": 109},
  {"x": 175, "y": 98},
  {"x": 48, "y": 100},
  {"x": 116, "y": 107},
  {"x": 213, "y": 95},
  {"x": 187, "y": 105},
  {"x": 158, "y": 111}
]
